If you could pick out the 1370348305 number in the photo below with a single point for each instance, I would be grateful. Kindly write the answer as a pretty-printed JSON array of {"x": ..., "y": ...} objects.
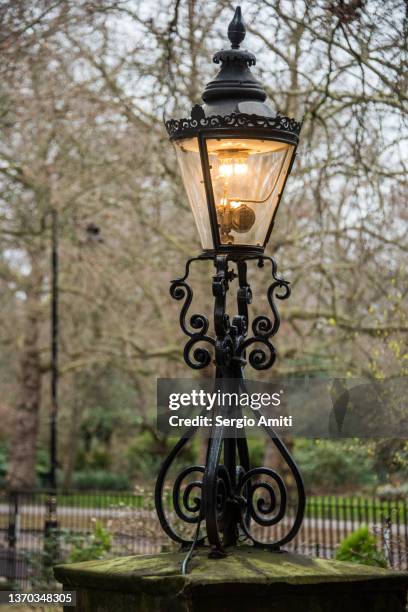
[{"x": 56, "y": 598}]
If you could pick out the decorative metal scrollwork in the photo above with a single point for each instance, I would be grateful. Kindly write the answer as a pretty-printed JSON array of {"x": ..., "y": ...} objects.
[
  {"x": 230, "y": 497},
  {"x": 264, "y": 328},
  {"x": 193, "y": 506},
  {"x": 262, "y": 506},
  {"x": 190, "y": 126},
  {"x": 196, "y": 357}
]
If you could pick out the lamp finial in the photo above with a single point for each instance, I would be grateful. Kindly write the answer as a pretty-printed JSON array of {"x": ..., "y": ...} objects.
[{"x": 236, "y": 29}]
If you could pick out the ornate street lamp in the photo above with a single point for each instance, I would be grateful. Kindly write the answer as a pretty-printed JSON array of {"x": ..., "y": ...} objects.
[{"x": 235, "y": 155}]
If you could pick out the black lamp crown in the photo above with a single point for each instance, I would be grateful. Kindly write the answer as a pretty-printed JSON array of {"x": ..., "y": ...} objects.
[{"x": 235, "y": 154}]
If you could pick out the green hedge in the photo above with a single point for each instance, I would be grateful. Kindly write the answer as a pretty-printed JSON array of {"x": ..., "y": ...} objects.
[{"x": 100, "y": 480}]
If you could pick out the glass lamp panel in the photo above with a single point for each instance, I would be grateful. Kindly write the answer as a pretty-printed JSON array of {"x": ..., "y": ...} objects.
[
  {"x": 247, "y": 178},
  {"x": 188, "y": 157}
]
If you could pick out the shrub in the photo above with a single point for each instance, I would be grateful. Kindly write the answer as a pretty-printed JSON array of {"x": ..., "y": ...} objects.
[
  {"x": 41, "y": 562},
  {"x": 144, "y": 455},
  {"x": 99, "y": 459},
  {"x": 141, "y": 462},
  {"x": 257, "y": 452},
  {"x": 332, "y": 465},
  {"x": 100, "y": 480},
  {"x": 97, "y": 545},
  {"x": 360, "y": 547}
]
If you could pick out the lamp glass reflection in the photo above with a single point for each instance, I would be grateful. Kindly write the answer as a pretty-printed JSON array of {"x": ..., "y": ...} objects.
[
  {"x": 189, "y": 161},
  {"x": 247, "y": 176}
]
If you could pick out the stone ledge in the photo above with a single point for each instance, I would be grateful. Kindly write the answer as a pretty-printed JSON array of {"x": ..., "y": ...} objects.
[{"x": 247, "y": 579}]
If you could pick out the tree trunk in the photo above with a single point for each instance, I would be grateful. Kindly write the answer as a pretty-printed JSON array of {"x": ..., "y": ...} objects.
[{"x": 23, "y": 451}]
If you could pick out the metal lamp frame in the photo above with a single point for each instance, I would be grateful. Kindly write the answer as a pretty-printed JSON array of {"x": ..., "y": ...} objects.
[{"x": 278, "y": 128}]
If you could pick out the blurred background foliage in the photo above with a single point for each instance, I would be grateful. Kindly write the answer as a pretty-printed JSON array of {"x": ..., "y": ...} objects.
[{"x": 83, "y": 89}]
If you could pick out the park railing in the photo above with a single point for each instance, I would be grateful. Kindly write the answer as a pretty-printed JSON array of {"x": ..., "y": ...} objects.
[{"x": 37, "y": 529}]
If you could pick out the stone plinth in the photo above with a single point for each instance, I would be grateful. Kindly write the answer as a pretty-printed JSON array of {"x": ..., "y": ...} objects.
[{"x": 247, "y": 580}]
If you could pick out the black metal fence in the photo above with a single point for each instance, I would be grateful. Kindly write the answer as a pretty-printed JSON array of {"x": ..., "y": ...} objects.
[
  {"x": 29, "y": 545},
  {"x": 330, "y": 519}
]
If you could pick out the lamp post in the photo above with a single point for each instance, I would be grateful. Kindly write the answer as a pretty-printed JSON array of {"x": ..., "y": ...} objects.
[
  {"x": 54, "y": 350},
  {"x": 93, "y": 235},
  {"x": 235, "y": 154},
  {"x": 51, "y": 521}
]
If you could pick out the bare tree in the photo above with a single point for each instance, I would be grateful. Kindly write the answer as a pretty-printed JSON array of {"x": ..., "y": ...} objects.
[{"x": 83, "y": 93}]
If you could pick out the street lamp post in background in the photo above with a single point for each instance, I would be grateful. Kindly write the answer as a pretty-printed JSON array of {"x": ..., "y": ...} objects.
[
  {"x": 51, "y": 521},
  {"x": 93, "y": 235},
  {"x": 235, "y": 154},
  {"x": 54, "y": 350}
]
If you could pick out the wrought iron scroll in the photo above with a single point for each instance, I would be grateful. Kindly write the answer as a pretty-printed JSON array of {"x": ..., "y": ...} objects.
[
  {"x": 229, "y": 497},
  {"x": 270, "y": 506},
  {"x": 264, "y": 327},
  {"x": 196, "y": 328},
  {"x": 192, "y": 505}
]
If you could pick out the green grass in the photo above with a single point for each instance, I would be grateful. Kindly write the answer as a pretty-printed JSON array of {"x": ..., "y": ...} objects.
[
  {"x": 336, "y": 507},
  {"x": 101, "y": 500}
]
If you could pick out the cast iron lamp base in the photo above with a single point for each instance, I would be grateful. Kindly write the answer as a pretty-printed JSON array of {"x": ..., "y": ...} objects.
[{"x": 227, "y": 498}]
